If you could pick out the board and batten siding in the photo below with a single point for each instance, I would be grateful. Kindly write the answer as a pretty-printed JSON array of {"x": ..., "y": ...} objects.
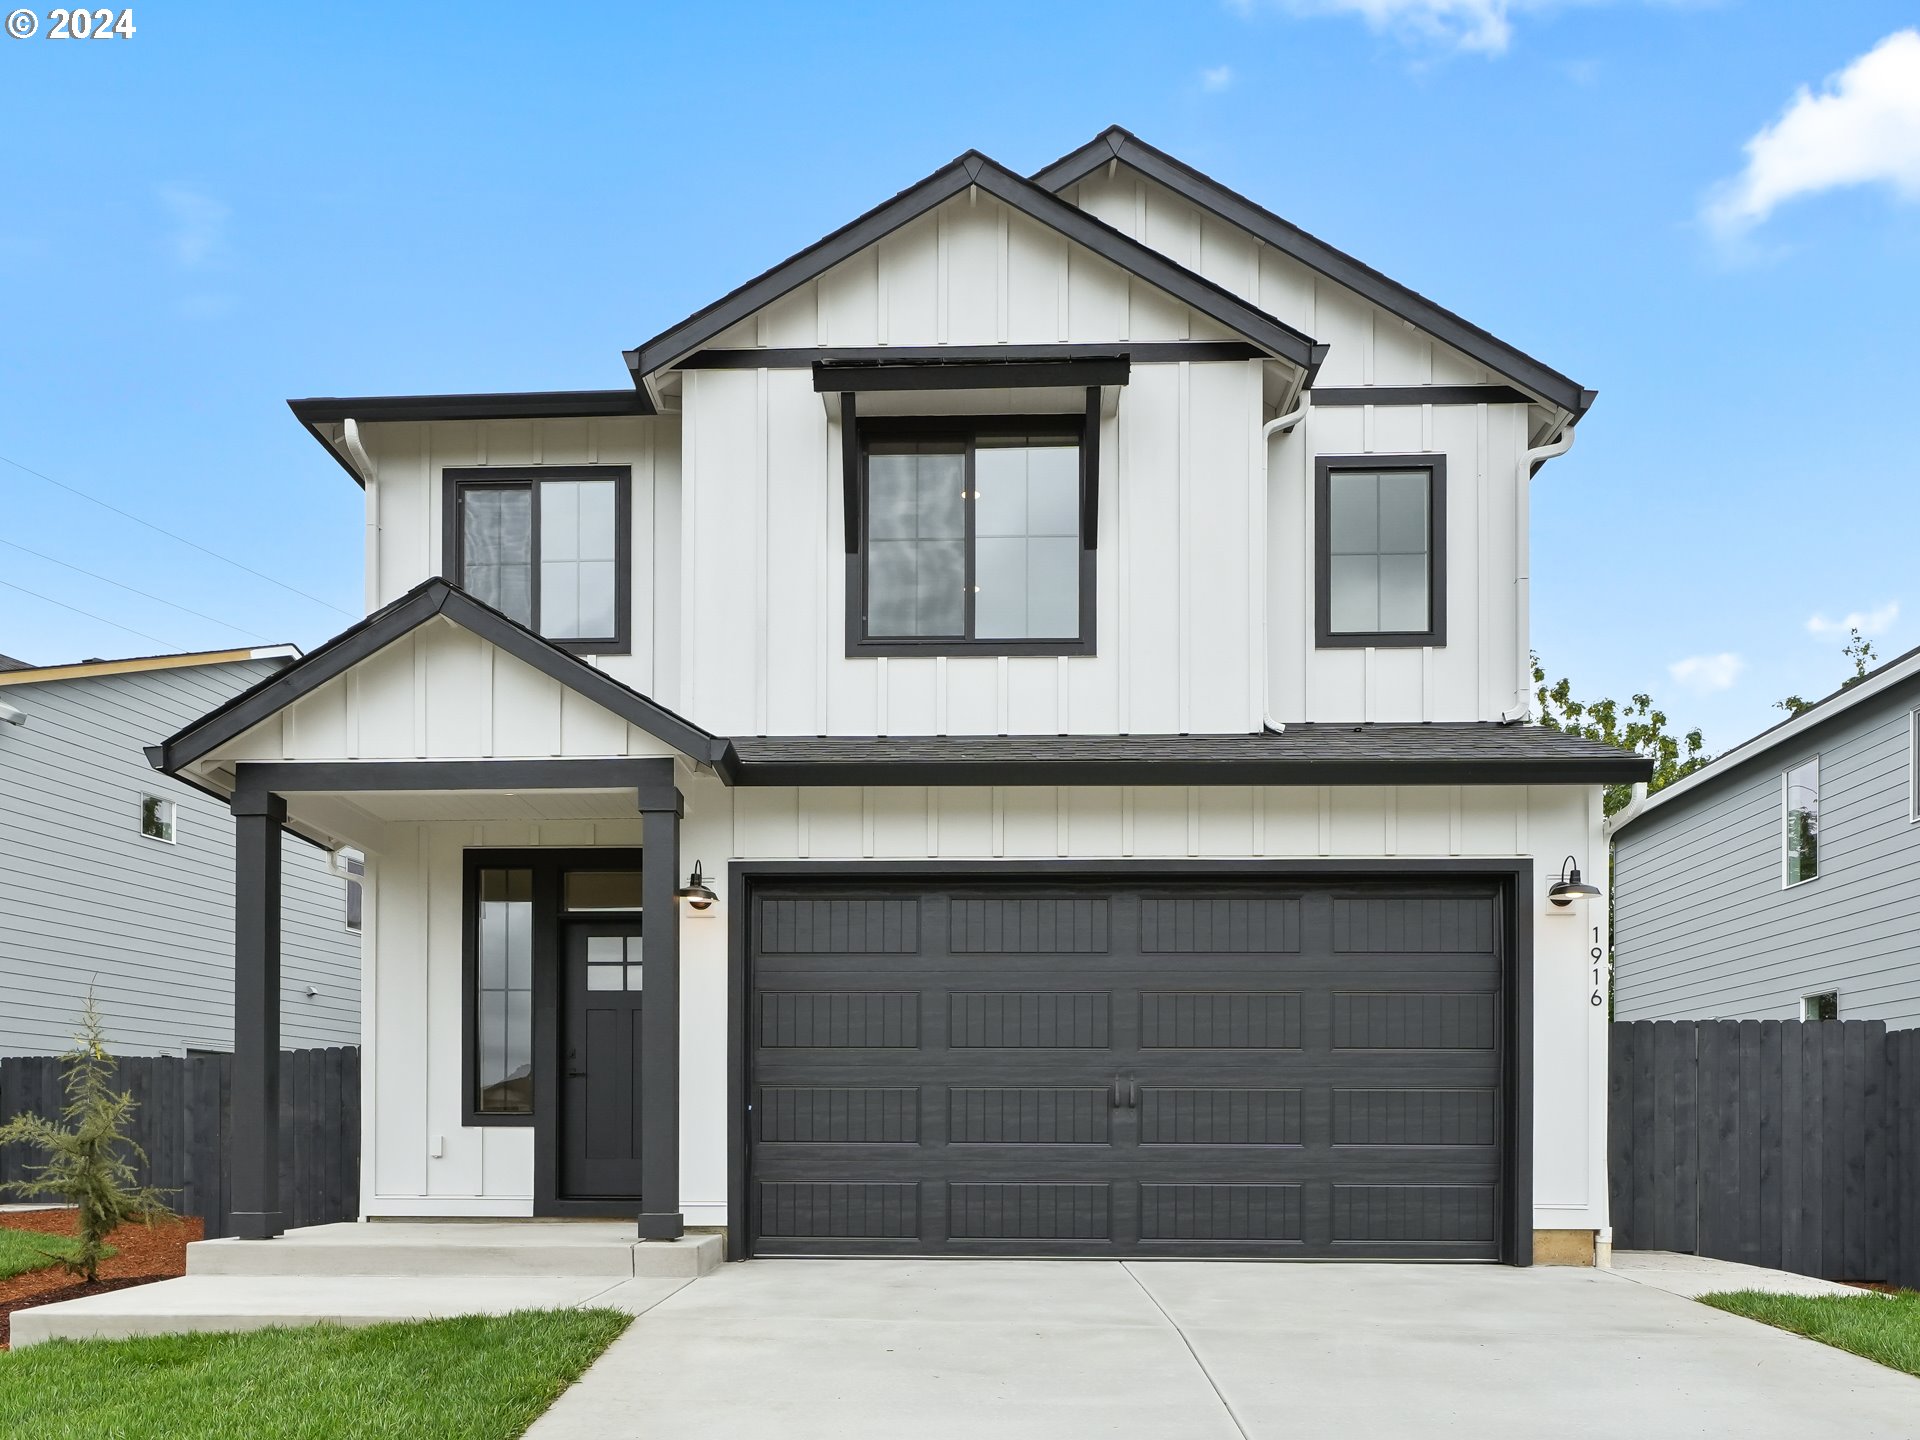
[
  {"x": 424, "y": 1161},
  {"x": 1205, "y": 557},
  {"x": 87, "y": 900},
  {"x": 1707, "y": 928}
]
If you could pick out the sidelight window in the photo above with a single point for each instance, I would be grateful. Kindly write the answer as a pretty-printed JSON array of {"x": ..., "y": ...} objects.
[
  {"x": 503, "y": 993},
  {"x": 547, "y": 547}
]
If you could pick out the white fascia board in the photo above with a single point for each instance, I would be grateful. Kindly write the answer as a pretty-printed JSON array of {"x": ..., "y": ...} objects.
[{"x": 1893, "y": 674}]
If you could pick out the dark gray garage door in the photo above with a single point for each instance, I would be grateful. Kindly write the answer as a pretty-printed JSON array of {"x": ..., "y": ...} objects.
[{"x": 1183, "y": 1069}]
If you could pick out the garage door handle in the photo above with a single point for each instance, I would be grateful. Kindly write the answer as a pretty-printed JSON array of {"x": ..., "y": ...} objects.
[
  {"x": 1133, "y": 1093},
  {"x": 1117, "y": 1094}
]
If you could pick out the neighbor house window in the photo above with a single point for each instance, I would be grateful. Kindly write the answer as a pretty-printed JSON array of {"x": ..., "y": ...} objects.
[
  {"x": 971, "y": 538},
  {"x": 1803, "y": 822},
  {"x": 356, "y": 892},
  {"x": 503, "y": 992},
  {"x": 1380, "y": 556},
  {"x": 1913, "y": 765},
  {"x": 549, "y": 547},
  {"x": 156, "y": 818},
  {"x": 1824, "y": 1006}
]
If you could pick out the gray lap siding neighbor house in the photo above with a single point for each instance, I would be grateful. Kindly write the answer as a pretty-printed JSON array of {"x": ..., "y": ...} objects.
[
  {"x": 1706, "y": 924},
  {"x": 887, "y": 781},
  {"x": 88, "y": 900}
]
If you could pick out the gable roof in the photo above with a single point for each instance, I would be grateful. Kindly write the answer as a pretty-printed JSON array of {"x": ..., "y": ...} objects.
[
  {"x": 18, "y": 672},
  {"x": 1038, "y": 204},
  {"x": 1874, "y": 683},
  {"x": 389, "y": 623},
  {"x": 1203, "y": 190}
]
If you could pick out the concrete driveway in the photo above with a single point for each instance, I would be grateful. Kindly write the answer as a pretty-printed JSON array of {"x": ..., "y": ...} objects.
[{"x": 1164, "y": 1350}]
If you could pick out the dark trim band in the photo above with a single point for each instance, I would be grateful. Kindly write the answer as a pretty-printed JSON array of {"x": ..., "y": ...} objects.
[
  {"x": 1143, "y": 352},
  {"x": 1420, "y": 395},
  {"x": 847, "y": 377}
]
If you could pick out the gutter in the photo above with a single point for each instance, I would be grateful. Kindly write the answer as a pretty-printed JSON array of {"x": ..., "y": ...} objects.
[
  {"x": 1530, "y": 462},
  {"x": 1282, "y": 425}
]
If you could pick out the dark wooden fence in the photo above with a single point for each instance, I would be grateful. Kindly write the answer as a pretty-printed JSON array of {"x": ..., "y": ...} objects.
[
  {"x": 182, "y": 1122},
  {"x": 1773, "y": 1142}
]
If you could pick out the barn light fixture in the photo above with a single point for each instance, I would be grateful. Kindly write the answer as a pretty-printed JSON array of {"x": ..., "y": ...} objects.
[
  {"x": 1570, "y": 887},
  {"x": 696, "y": 892}
]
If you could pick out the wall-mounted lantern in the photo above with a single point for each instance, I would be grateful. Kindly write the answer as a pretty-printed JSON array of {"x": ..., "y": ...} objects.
[
  {"x": 1570, "y": 887},
  {"x": 696, "y": 892}
]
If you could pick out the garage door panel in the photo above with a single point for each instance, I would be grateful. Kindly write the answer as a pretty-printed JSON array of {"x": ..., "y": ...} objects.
[
  {"x": 1162, "y": 1070},
  {"x": 1219, "y": 1115},
  {"x": 1029, "y": 1020},
  {"x": 1027, "y": 1115}
]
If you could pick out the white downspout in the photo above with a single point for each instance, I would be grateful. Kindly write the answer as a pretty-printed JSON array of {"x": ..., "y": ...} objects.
[
  {"x": 1522, "y": 711},
  {"x": 1281, "y": 426},
  {"x": 363, "y": 462}
]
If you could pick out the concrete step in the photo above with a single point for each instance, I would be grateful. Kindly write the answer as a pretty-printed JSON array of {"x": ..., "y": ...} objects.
[
  {"x": 204, "y": 1302},
  {"x": 402, "y": 1249}
]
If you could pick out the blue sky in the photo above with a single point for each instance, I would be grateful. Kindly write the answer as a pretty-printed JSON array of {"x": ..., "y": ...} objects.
[{"x": 242, "y": 204}]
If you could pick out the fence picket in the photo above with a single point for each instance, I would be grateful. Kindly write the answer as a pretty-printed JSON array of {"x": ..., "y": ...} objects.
[{"x": 182, "y": 1121}]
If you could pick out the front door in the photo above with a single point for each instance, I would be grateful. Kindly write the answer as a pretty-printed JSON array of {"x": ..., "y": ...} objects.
[{"x": 601, "y": 992}]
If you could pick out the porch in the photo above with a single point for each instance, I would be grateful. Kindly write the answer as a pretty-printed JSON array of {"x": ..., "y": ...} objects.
[{"x": 372, "y": 1272}]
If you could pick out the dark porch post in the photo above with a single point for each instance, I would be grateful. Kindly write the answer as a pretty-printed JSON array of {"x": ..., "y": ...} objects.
[
  {"x": 660, "y": 809},
  {"x": 256, "y": 1015}
]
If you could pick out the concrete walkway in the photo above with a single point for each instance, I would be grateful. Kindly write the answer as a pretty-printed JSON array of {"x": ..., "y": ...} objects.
[{"x": 1169, "y": 1350}]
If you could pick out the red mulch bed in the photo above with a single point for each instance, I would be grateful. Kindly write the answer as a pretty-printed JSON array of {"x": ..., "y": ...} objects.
[{"x": 146, "y": 1253}]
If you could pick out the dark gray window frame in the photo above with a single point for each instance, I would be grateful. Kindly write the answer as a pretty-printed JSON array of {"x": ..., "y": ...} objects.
[
  {"x": 1084, "y": 427},
  {"x": 456, "y": 482},
  {"x": 548, "y": 866},
  {"x": 1435, "y": 635}
]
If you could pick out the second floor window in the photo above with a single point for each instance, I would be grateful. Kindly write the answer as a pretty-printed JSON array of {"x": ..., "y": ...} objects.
[
  {"x": 971, "y": 538},
  {"x": 548, "y": 547},
  {"x": 1803, "y": 822},
  {"x": 1380, "y": 556}
]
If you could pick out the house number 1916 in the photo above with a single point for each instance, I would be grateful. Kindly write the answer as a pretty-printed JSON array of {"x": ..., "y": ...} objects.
[{"x": 1599, "y": 996}]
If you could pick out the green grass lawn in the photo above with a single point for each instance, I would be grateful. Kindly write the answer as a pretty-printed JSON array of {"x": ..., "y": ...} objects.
[
  {"x": 24, "y": 1250},
  {"x": 1885, "y": 1328},
  {"x": 476, "y": 1377}
]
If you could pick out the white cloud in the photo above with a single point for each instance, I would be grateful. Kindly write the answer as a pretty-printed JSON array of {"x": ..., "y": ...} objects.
[
  {"x": 1863, "y": 128},
  {"x": 1485, "y": 26},
  {"x": 1867, "y": 622},
  {"x": 199, "y": 225},
  {"x": 1706, "y": 674},
  {"x": 1219, "y": 77}
]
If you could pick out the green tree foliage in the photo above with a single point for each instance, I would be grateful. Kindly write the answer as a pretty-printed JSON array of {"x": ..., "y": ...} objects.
[
  {"x": 89, "y": 1156},
  {"x": 1635, "y": 726},
  {"x": 1859, "y": 653}
]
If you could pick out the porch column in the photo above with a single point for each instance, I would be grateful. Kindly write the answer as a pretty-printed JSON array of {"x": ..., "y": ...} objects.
[
  {"x": 660, "y": 810},
  {"x": 254, "y": 1159}
]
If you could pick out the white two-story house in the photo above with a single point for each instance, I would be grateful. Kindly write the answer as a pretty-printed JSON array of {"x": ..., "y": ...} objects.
[{"x": 1007, "y": 736}]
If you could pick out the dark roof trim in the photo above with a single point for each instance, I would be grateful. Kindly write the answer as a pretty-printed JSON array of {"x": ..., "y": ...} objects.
[
  {"x": 1139, "y": 352},
  {"x": 1037, "y": 204},
  {"x": 1351, "y": 395},
  {"x": 1203, "y": 190},
  {"x": 512, "y": 405},
  {"x": 380, "y": 629},
  {"x": 1288, "y": 759},
  {"x": 843, "y": 377},
  {"x": 507, "y": 405}
]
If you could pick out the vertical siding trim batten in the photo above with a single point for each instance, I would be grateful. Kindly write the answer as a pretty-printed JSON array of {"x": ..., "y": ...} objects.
[{"x": 1183, "y": 526}]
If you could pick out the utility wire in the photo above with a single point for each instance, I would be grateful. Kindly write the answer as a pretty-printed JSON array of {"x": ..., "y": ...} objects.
[
  {"x": 174, "y": 644},
  {"x": 135, "y": 590},
  {"x": 158, "y": 530}
]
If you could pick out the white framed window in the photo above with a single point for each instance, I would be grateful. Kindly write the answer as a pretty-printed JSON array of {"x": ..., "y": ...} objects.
[
  {"x": 1800, "y": 825},
  {"x": 1823, "y": 1006},
  {"x": 356, "y": 868},
  {"x": 1913, "y": 766},
  {"x": 157, "y": 816}
]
